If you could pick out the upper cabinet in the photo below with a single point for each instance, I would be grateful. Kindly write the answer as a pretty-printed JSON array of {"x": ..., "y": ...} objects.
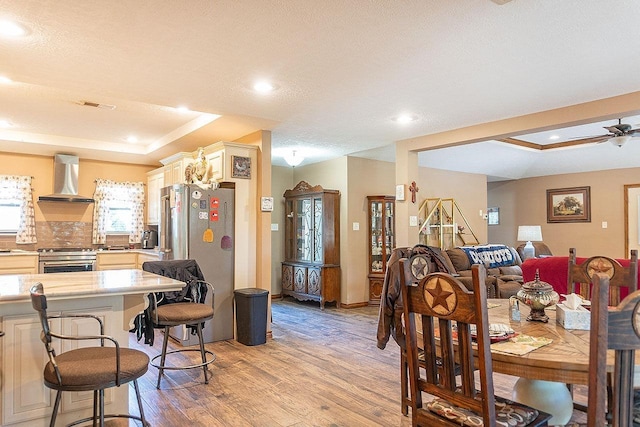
[
  {"x": 382, "y": 240},
  {"x": 311, "y": 270},
  {"x": 155, "y": 181}
]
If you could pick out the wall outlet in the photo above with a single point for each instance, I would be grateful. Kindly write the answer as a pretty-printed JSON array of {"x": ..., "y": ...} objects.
[
  {"x": 413, "y": 221},
  {"x": 604, "y": 224}
]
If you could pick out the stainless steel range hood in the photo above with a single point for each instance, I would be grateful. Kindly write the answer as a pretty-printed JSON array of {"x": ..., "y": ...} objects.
[{"x": 65, "y": 181}]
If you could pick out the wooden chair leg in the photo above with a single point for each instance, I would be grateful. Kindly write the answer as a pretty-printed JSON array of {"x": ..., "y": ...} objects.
[{"x": 404, "y": 387}]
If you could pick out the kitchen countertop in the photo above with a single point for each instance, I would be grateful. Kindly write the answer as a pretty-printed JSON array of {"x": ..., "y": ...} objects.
[
  {"x": 15, "y": 287},
  {"x": 17, "y": 252}
]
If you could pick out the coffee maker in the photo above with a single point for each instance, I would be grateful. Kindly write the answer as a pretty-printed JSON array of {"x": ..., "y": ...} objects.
[{"x": 149, "y": 239}]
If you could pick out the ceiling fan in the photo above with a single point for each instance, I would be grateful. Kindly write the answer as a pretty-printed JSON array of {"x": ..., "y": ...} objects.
[{"x": 618, "y": 135}]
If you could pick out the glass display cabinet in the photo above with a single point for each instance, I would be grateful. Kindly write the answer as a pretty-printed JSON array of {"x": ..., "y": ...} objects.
[
  {"x": 311, "y": 269},
  {"x": 382, "y": 226}
]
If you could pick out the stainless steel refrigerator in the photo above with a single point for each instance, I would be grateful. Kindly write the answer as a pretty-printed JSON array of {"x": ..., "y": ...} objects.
[{"x": 198, "y": 223}]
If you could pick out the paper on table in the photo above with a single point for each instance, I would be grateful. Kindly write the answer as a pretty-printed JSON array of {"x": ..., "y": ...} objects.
[
  {"x": 492, "y": 305},
  {"x": 572, "y": 301},
  {"x": 520, "y": 344}
]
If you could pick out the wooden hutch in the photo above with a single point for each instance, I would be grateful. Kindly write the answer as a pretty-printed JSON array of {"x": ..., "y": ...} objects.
[{"x": 311, "y": 269}]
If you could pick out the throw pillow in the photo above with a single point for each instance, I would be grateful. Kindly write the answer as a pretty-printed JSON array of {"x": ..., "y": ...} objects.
[
  {"x": 459, "y": 259},
  {"x": 493, "y": 256}
]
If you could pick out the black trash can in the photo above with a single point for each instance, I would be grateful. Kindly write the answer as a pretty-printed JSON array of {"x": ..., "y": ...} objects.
[{"x": 251, "y": 315}]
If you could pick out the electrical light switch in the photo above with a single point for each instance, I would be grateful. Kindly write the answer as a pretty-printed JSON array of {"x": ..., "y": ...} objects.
[
  {"x": 274, "y": 227},
  {"x": 604, "y": 224},
  {"x": 356, "y": 226},
  {"x": 413, "y": 221}
]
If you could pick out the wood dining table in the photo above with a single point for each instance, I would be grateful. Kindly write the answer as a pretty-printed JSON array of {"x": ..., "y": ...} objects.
[{"x": 545, "y": 371}]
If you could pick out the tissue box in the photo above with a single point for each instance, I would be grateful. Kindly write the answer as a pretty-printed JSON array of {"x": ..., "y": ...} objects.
[{"x": 579, "y": 318}]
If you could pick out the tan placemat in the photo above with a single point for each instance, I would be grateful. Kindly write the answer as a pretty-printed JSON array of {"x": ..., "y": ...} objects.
[{"x": 520, "y": 344}]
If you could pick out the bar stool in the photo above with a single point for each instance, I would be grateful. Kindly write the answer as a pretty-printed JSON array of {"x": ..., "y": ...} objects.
[
  {"x": 187, "y": 308},
  {"x": 88, "y": 368}
]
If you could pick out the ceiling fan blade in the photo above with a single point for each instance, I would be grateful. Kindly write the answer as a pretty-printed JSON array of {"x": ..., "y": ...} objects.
[{"x": 633, "y": 132}]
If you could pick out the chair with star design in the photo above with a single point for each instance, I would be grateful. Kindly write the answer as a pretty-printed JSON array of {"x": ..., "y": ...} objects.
[
  {"x": 448, "y": 324},
  {"x": 619, "y": 276},
  {"x": 581, "y": 274}
]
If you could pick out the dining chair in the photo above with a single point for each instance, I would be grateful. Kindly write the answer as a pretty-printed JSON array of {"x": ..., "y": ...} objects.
[
  {"x": 446, "y": 310},
  {"x": 93, "y": 368},
  {"x": 187, "y": 308},
  {"x": 618, "y": 275},
  {"x": 612, "y": 328}
]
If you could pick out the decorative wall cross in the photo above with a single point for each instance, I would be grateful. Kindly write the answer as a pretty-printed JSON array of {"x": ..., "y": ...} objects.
[{"x": 414, "y": 189}]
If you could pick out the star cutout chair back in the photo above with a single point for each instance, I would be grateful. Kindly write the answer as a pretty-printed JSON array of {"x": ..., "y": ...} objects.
[
  {"x": 438, "y": 314},
  {"x": 582, "y": 273}
]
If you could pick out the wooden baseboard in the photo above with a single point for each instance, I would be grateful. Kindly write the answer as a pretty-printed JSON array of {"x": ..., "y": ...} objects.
[
  {"x": 342, "y": 305},
  {"x": 354, "y": 305}
]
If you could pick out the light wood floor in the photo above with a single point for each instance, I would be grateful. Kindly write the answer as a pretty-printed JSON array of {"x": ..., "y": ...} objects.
[{"x": 322, "y": 368}]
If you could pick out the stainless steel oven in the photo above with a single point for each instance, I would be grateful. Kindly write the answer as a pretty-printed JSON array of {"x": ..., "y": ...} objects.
[{"x": 66, "y": 260}]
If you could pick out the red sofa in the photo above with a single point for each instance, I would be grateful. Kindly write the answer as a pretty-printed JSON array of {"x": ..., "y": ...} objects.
[{"x": 555, "y": 270}]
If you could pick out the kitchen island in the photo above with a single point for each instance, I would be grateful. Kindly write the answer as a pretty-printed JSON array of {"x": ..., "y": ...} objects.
[{"x": 117, "y": 296}]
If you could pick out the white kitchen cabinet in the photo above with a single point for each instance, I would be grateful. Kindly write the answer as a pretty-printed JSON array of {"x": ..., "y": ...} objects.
[
  {"x": 144, "y": 257},
  {"x": 175, "y": 165},
  {"x": 116, "y": 260},
  {"x": 155, "y": 181},
  {"x": 26, "y": 401},
  {"x": 19, "y": 264},
  {"x": 216, "y": 165}
]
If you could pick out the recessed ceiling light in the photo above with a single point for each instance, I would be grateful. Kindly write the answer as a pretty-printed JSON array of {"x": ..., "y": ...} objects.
[
  {"x": 12, "y": 29},
  {"x": 554, "y": 137},
  {"x": 263, "y": 87},
  {"x": 406, "y": 118},
  {"x": 132, "y": 139},
  {"x": 5, "y": 124},
  {"x": 5, "y": 80},
  {"x": 182, "y": 109}
]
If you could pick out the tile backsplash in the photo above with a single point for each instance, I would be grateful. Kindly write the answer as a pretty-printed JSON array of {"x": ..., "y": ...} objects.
[{"x": 57, "y": 234}]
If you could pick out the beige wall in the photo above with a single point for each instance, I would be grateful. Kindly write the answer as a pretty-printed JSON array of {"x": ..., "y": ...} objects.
[
  {"x": 523, "y": 202},
  {"x": 281, "y": 181},
  {"x": 366, "y": 178},
  {"x": 41, "y": 169},
  {"x": 469, "y": 191}
]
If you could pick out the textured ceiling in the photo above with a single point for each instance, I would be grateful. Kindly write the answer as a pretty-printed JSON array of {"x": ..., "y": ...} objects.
[{"x": 344, "y": 70}]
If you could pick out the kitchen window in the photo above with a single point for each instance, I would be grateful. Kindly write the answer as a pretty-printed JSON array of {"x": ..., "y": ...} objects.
[
  {"x": 118, "y": 209},
  {"x": 10, "y": 213},
  {"x": 119, "y": 219},
  {"x": 16, "y": 208}
]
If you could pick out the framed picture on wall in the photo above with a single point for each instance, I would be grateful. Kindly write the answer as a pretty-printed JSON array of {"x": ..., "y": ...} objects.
[
  {"x": 569, "y": 204},
  {"x": 493, "y": 216},
  {"x": 240, "y": 167}
]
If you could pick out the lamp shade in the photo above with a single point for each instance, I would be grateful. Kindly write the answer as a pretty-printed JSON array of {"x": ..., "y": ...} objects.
[
  {"x": 619, "y": 141},
  {"x": 529, "y": 233}
]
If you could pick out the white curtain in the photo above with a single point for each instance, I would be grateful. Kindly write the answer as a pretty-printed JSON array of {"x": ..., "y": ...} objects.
[
  {"x": 18, "y": 188},
  {"x": 110, "y": 193}
]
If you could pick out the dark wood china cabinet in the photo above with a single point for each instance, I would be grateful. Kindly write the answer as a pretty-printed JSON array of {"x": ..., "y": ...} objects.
[
  {"x": 382, "y": 240},
  {"x": 311, "y": 269}
]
